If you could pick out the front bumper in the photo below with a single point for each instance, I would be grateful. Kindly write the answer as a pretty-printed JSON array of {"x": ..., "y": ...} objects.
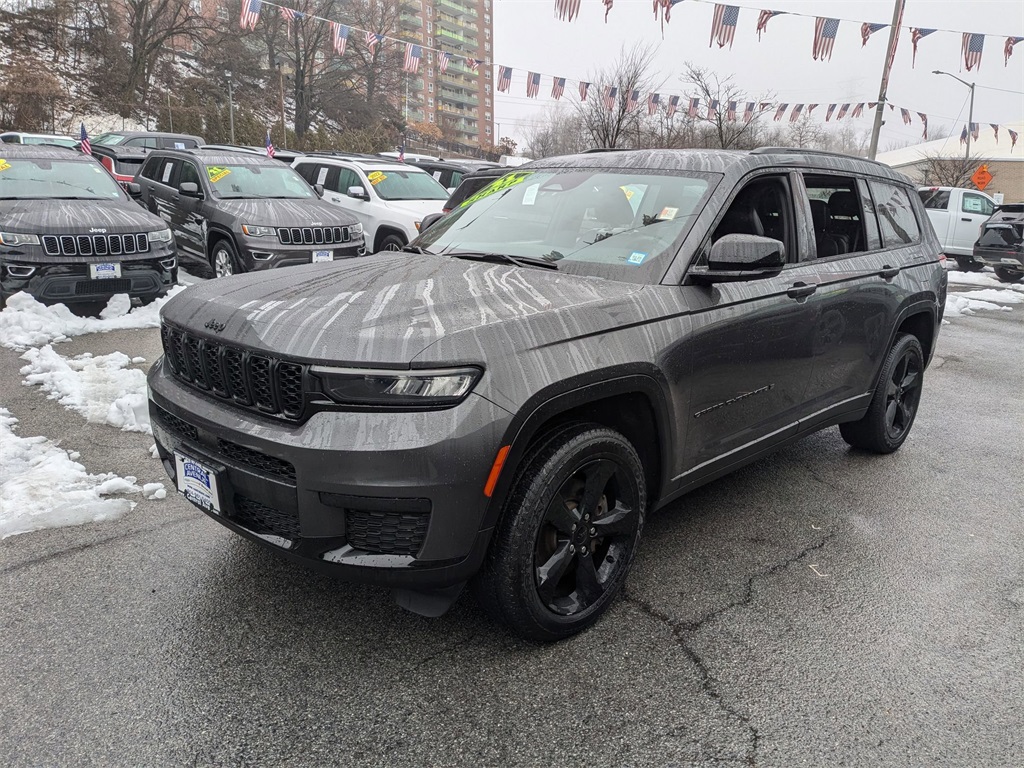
[
  {"x": 393, "y": 498},
  {"x": 259, "y": 254},
  {"x": 70, "y": 283}
]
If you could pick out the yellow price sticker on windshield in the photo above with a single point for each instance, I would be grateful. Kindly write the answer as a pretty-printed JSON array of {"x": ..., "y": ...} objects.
[
  {"x": 4, "y": 165},
  {"x": 376, "y": 177},
  {"x": 216, "y": 173},
  {"x": 509, "y": 180}
]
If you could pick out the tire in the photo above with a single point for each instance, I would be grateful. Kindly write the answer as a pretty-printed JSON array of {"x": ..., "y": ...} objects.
[
  {"x": 968, "y": 264},
  {"x": 1009, "y": 275},
  {"x": 546, "y": 576},
  {"x": 894, "y": 405},
  {"x": 224, "y": 260},
  {"x": 391, "y": 243}
]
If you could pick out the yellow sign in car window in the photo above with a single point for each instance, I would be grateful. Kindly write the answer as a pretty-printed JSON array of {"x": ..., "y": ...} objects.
[
  {"x": 216, "y": 173},
  {"x": 4, "y": 165},
  {"x": 505, "y": 182}
]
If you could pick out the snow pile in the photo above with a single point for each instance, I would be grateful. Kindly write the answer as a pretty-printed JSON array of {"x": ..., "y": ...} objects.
[
  {"x": 154, "y": 491},
  {"x": 27, "y": 323},
  {"x": 999, "y": 296},
  {"x": 43, "y": 487},
  {"x": 983, "y": 280},
  {"x": 103, "y": 389},
  {"x": 959, "y": 304}
]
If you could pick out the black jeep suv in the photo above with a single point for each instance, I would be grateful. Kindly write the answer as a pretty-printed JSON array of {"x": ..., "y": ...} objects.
[
  {"x": 70, "y": 234},
  {"x": 1000, "y": 243},
  {"x": 586, "y": 340},
  {"x": 123, "y": 152},
  {"x": 241, "y": 212}
]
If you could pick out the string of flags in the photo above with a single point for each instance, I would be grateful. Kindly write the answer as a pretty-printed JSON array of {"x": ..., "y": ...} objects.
[{"x": 826, "y": 29}]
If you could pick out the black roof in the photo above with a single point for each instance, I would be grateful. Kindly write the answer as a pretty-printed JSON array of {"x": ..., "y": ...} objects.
[
  {"x": 217, "y": 156},
  {"x": 42, "y": 152},
  {"x": 164, "y": 134}
]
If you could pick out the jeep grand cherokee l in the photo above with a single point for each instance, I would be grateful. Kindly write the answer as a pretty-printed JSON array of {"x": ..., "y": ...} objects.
[
  {"x": 69, "y": 233},
  {"x": 587, "y": 340},
  {"x": 242, "y": 212}
]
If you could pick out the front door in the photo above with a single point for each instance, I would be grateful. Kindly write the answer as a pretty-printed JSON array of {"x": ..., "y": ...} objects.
[{"x": 974, "y": 211}]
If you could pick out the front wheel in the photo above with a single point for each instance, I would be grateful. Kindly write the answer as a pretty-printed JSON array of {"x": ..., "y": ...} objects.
[
  {"x": 1009, "y": 275},
  {"x": 223, "y": 259},
  {"x": 568, "y": 534},
  {"x": 968, "y": 264},
  {"x": 894, "y": 405},
  {"x": 391, "y": 243}
]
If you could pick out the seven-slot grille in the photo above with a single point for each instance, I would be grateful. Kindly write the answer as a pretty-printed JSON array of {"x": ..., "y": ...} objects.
[
  {"x": 314, "y": 235},
  {"x": 260, "y": 382},
  {"x": 95, "y": 245}
]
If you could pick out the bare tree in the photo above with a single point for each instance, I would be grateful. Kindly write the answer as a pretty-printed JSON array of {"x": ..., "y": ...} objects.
[
  {"x": 558, "y": 133},
  {"x": 806, "y": 132},
  {"x": 724, "y": 133},
  {"x": 632, "y": 71},
  {"x": 944, "y": 171}
]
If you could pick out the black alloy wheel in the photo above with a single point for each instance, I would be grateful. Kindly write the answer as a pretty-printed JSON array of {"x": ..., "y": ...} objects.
[
  {"x": 894, "y": 405},
  {"x": 1006, "y": 275},
  {"x": 568, "y": 533},
  {"x": 968, "y": 264}
]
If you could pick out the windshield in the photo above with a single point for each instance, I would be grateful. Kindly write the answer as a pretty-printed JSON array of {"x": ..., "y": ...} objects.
[
  {"x": 60, "y": 142},
  {"x": 392, "y": 184},
  {"x": 110, "y": 139},
  {"x": 44, "y": 178},
  {"x": 251, "y": 181},
  {"x": 576, "y": 218}
]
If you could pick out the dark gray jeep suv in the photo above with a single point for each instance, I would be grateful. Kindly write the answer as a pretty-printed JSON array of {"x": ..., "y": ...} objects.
[
  {"x": 584, "y": 340},
  {"x": 241, "y": 212},
  {"x": 70, "y": 234}
]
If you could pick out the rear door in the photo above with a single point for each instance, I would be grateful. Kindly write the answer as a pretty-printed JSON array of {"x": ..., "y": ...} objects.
[
  {"x": 187, "y": 215},
  {"x": 974, "y": 210},
  {"x": 163, "y": 189}
]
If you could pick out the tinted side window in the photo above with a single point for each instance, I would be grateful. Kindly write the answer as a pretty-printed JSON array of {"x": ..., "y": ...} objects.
[
  {"x": 763, "y": 207},
  {"x": 306, "y": 171},
  {"x": 895, "y": 215},
  {"x": 934, "y": 199},
  {"x": 189, "y": 173},
  {"x": 151, "y": 169},
  {"x": 456, "y": 178},
  {"x": 837, "y": 214},
  {"x": 870, "y": 217},
  {"x": 348, "y": 178},
  {"x": 167, "y": 171},
  {"x": 973, "y": 203}
]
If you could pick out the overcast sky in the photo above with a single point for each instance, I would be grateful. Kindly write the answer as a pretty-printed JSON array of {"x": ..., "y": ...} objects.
[{"x": 529, "y": 37}]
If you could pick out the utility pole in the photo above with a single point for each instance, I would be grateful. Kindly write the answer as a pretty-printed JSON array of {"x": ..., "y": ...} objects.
[
  {"x": 231, "y": 106},
  {"x": 970, "y": 111},
  {"x": 890, "y": 54},
  {"x": 170, "y": 115},
  {"x": 284, "y": 133}
]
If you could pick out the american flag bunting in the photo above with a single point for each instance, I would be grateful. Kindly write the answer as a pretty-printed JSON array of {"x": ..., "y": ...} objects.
[
  {"x": 924, "y": 120},
  {"x": 1013, "y": 138},
  {"x": 811, "y": 108},
  {"x": 1008, "y": 48},
  {"x": 567, "y": 10},
  {"x": 694, "y": 107},
  {"x": 653, "y": 100},
  {"x": 858, "y": 111},
  {"x": 86, "y": 144},
  {"x": 916, "y": 35},
  {"x": 290, "y": 14},
  {"x": 995, "y": 131},
  {"x": 831, "y": 110},
  {"x": 795, "y": 114},
  {"x": 250, "y": 13},
  {"x": 474, "y": 65},
  {"x": 270, "y": 145},
  {"x": 713, "y": 110},
  {"x": 905, "y": 114},
  {"x": 763, "y": 18},
  {"x": 963, "y": 135},
  {"x": 443, "y": 60},
  {"x": 557, "y": 87},
  {"x": 584, "y": 90},
  {"x": 372, "y": 38},
  {"x": 867, "y": 30},
  {"x": 975, "y": 131},
  {"x": 532, "y": 85},
  {"x": 730, "y": 111},
  {"x": 673, "y": 105},
  {"x": 723, "y": 25},
  {"x": 339, "y": 37},
  {"x": 610, "y": 94},
  {"x": 633, "y": 101},
  {"x": 972, "y": 47},
  {"x": 825, "y": 31},
  {"x": 842, "y": 111},
  {"x": 748, "y": 112},
  {"x": 413, "y": 55},
  {"x": 779, "y": 112},
  {"x": 504, "y": 78},
  {"x": 607, "y": 7}
]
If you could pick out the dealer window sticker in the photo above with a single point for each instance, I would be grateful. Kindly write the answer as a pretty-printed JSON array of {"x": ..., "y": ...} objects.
[
  {"x": 216, "y": 173},
  {"x": 376, "y": 177},
  {"x": 505, "y": 182},
  {"x": 636, "y": 257},
  {"x": 4, "y": 165}
]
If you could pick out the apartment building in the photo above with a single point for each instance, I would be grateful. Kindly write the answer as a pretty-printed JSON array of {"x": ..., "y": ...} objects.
[{"x": 459, "y": 101}]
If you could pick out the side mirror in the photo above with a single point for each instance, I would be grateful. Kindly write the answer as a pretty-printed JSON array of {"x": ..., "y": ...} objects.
[
  {"x": 358, "y": 193},
  {"x": 319, "y": 189},
  {"x": 134, "y": 190},
  {"x": 735, "y": 258},
  {"x": 429, "y": 220},
  {"x": 188, "y": 189}
]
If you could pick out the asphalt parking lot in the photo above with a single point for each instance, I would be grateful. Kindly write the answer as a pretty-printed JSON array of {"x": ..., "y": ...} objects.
[{"x": 820, "y": 607}]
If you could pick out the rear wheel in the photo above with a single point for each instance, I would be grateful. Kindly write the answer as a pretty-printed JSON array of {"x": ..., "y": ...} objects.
[
  {"x": 1009, "y": 275},
  {"x": 968, "y": 264},
  {"x": 223, "y": 259},
  {"x": 894, "y": 405},
  {"x": 568, "y": 534},
  {"x": 391, "y": 243}
]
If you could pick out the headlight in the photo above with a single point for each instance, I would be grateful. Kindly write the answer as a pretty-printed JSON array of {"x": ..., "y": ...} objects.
[
  {"x": 17, "y": 238},
  {"x": 253, "y": 230},
  {"x": 356, "y": 386},
  {"x": 161, "y": 236},
  {"x": 417, "y": 225},
  {"x": 355, "y": 230}
]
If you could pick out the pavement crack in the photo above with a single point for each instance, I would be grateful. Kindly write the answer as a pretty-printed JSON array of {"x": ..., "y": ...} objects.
[{"x": 685, "y": 631}]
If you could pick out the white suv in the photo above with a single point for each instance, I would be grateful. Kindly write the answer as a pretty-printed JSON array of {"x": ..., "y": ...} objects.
[{"x": 389, "y": 199}]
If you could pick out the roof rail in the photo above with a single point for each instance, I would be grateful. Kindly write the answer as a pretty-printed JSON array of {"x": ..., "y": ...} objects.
[
  {"x": 346, "y": 155},
  {"x": 806, "y": 151}
]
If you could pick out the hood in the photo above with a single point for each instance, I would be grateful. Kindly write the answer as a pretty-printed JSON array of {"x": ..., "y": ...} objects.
[
  {"x": 69, "y": 217},
  {"x": 415, "y": 209},
  {"x": 379, "y": 310},
  {"x": 310, "y": 212}
]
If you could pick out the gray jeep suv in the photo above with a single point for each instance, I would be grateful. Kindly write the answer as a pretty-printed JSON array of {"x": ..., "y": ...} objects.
[
  {"x": 582, "y": 341},
  {"x": 242, "y": 212}
]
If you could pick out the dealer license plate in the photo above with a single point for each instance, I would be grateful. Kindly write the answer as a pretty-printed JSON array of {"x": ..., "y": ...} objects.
[
  {"x": 104, "y": 271},
  {"x": 323, "y": 256},
  {"x": 197, "y": 483}
]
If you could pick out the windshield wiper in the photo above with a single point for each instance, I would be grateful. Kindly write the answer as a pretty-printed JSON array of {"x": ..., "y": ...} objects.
[
  {"x": 417, "y": 249},
  {"x": 504, "y": 258}
]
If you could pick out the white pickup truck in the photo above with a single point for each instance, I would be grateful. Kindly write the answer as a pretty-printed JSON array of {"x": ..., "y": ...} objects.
[{"x": 957, "y": 215}]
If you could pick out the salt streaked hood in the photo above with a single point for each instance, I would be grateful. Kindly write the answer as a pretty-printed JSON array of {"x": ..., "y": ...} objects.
[
  {"x": 77, "y": 217},
  {"x": 277, "y": 212},
  {"x": 385, "y": 309}
]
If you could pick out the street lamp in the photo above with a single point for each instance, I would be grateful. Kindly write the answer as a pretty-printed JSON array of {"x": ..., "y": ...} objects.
[
  {"x": 231, "y": 105},
  {"x": 970, "y": 112}
]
